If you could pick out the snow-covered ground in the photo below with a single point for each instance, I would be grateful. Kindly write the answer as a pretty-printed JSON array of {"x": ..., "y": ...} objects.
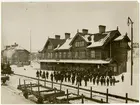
[
  {"x": 10, "y": 95},
  {"x": 14, "y": 96},
  {"x": 120, "y": 88}
]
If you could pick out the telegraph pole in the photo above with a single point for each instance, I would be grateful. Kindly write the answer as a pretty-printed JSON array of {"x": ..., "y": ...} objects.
[
  {"x": 131, "y": 22},
  {"x": 30, "y": 47}
]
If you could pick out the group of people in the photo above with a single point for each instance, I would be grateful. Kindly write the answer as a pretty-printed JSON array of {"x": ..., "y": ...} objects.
[{"x": 76, "y": 77}]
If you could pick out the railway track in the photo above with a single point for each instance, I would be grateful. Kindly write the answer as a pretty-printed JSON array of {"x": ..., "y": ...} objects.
[{"x": 85, "y": 92}]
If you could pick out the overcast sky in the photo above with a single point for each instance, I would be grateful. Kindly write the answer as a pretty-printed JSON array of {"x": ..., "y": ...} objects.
[{"x": 47, "y": 19}]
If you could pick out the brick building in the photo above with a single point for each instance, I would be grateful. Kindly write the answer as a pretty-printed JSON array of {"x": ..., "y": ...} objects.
[{"x": 106, "y": 50}]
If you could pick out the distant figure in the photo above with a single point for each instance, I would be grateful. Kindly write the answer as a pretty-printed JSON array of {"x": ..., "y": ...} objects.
[
  {"x": 47, "y": 74},
  {"x": 107, "y": 81},
  {"x": 122, "y": 77},
  {"x": 37, "y": 73},
  {"x": 24, "y": 69},
  {"x": 40, "y": 72},
  {"x": 51, "y": 77}
]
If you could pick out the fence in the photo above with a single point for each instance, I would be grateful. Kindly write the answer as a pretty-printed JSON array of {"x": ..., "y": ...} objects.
[{"x": 107, "y": 94}]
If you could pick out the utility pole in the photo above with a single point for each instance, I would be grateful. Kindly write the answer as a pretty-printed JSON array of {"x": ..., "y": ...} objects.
[
  {"x": 30, "y": 47},
  {"x": 131, "y": 22}
]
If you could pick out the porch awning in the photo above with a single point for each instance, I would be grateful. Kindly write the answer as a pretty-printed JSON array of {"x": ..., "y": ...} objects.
[{"x": 78, "y": 61}]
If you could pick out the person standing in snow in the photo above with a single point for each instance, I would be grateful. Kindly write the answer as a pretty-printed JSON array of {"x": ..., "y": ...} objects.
[
  {"x": 37, "y": 73},
  {"x": 51, "y": 77},
  {"x": 107, "y": 81},
  {"x": 47, "y": 74},
  {"x": 73, "y": 79},
  {"x": 111, "y": 81},
  {"x": 122, "y": 77},
  {"x": 94, "y": 80},
  {"x": 40, "y": 72},
  {"x": 114, "y": 80}
]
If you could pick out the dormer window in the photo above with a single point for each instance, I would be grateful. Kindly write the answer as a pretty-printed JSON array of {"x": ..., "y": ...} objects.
[{"x": 79, "y": 44}]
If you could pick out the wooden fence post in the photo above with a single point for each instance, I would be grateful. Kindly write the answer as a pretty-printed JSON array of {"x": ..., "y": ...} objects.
[
  {"x": 91, "y": 92},
  {"x": 126, "y": 98},
  {"x": 24, "y": 84},
  {"x": 67, "y": 94},
  {"x": 45, "y": 81},
  {"x": 60, "y": 86},
  {"x": 31, "y": 87},
  {"x": 38, "y": 87},
  {"x": 78, "y": 90},
  {"x": 107, "y": 95},
  {"x": 52, "y": 84},
  {"x": 82, "y": 99}
]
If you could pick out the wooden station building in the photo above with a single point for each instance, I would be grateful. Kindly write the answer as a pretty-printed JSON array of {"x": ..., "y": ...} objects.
[{"x": 107, "y": 50}]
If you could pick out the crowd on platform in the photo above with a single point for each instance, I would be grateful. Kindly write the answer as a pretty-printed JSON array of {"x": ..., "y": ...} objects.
[{"x": 76, "y": 77}]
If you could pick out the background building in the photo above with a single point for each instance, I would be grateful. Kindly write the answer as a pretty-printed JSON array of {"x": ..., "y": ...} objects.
[{"x": 15, "y": 55}]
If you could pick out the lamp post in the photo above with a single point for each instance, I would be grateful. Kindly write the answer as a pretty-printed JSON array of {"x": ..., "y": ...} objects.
[{"x": 131, "y": 22}]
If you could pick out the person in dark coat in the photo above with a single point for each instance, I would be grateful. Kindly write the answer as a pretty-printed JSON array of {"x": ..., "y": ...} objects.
[
  {"x": 122, "y": 77},
  {"x": 104, "y": 81},
  {"x": 80, "y": 80},
  {"x": 107, "y": 81},
  {"x": 62, "y": 77},
  {"x": 37, "y": 73},
  {"x": 73, "y": 79},
  {"x": 47, "y": 74},
  {"x": 85, "y": 79},
  {"x": 114, "y": 80},
  {"x": 40, "y": 72},
  {"x": 101, "y": 81},
  {"x": 111, "y": 81},
  {"x": 97, "y": 81},
  {"x": 51, "y": 77},
  {"x": 69, "y": 76},
  {"x": 94, "y": 80},
  {"x": 43, "y": 75},
  {"x": 77, "y": 80}
]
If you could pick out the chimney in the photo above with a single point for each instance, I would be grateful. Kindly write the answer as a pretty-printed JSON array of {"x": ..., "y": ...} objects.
[
  {"x": 102, "y": 28},
  {"x": 67, "y": 35},
  {"x": 57, "y": 36},
  {"x": 85, "y": 31}
]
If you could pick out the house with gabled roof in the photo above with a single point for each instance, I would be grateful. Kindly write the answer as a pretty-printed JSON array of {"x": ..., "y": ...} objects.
[
  {"x": 106, "y": 49},
  {"x": 15, "y": 55}
]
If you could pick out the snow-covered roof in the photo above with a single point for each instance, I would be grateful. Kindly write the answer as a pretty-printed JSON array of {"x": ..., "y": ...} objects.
[
  {"x": 78, "y": 61},
  {"x": 86, "y": 37},
  {"x": 66, "y": 45},
  {"x": 100, "y": 42},
  {"x": 119, "y": 38}
]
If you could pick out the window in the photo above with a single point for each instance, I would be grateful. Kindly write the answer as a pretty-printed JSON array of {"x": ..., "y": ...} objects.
[
  {"x": 60, "y": 54},
  {"x": 50, "y": 55},
  {"x": 64, "y": 55},
  {"x": 83, "y": 54},
  {"x": 98, "y": 54},
  {"x": 56, "y": 55},
  {"x": 69, "y": 54},
  {"x": 82, "y": 43},
  {"x": 92, "y": 54},
  {"x": 79, "y": 44},
  {"x": 76, "y": 54}
]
